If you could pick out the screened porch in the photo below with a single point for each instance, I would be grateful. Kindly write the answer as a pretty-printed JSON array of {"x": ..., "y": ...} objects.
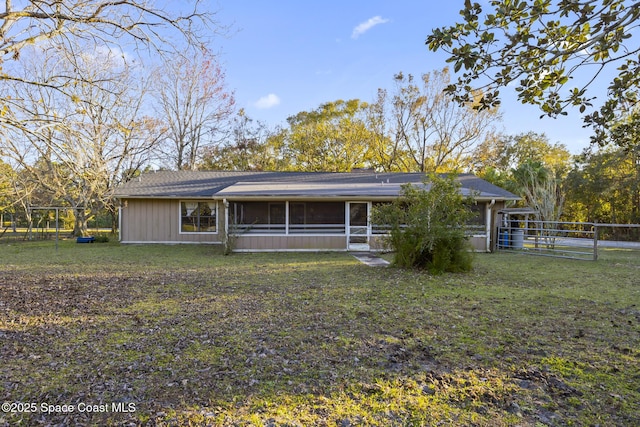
[{"x": 287, "y": 217}]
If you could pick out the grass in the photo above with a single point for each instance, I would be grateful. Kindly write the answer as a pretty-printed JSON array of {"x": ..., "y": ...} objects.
[{"x": 191, "y": 337}]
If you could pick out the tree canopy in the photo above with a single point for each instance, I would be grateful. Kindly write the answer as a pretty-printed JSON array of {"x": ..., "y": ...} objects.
[
  {"x": 433, "y": 133},
  {"x": 333, "y": 137},
  {"x": 553, "y": 52},
  {"x": 604, "y": 186},
  {"x": 72, "y": 92},
  {"x": 75, "y": 27}
]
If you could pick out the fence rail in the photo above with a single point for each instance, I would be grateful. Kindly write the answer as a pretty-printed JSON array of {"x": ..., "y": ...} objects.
[{"x": 577, "y": 240}]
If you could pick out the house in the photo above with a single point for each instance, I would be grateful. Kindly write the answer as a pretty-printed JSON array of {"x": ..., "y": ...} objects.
[{"x": 280, "y": 211}]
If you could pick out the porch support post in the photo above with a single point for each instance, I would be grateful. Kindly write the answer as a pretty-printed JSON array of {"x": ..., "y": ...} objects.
[
  {"x": 120, "y": 222},
  {"x": 225, "y": 212},
  {"x": 488, "y": 225},
  {"x": 346, "y": 223},
  {"x": 286, "y": 218}
]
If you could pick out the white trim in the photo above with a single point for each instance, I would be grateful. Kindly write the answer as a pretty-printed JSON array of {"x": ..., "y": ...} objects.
[
  {"x": 248, "y": 235},
  {"x": 197, "y": 233},
  {"x": 225, "y": 209},
  {"x": 487, "y": 231},
  {"x": 290, "y": 250},
  {"x": 166, "y": 242},
  {"x": 286, "y": 218},
  {"x": 120, "y": 223}
]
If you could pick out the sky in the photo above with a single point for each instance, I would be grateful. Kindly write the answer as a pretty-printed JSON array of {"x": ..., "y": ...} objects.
[{"x": 283, "y": 57}]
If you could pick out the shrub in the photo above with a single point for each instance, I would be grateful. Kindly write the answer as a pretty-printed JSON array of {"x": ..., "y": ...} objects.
[
  {"x": 102, "y": 238},
  {"x": 427, "y": 226}
]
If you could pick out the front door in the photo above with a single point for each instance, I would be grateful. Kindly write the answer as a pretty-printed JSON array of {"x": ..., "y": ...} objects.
[{"x": 358, "y": 226}]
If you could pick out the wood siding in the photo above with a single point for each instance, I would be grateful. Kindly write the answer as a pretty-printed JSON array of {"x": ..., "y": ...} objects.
[
  {"x": 158, "y": 221},
  {"x": 478, "y": 243},
  {"x": 290, "y": 243}
]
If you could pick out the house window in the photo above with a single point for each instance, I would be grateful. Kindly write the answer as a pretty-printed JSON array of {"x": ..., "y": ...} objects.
[
  {"x": 316, "y": 217},
  {"x": 304, "y": 217},
  {"x": 198, "y": 217},
  {"x": 258, "y": 217}
]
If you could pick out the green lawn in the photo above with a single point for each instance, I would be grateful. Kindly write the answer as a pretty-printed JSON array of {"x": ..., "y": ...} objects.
[{"x": 182, "y": 335}]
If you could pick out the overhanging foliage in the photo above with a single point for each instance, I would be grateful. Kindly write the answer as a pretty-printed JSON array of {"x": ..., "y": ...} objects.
[{"x": 544, "y": 47}]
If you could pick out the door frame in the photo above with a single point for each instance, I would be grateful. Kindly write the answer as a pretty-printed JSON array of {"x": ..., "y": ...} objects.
[{"x": 358, "y": 236}]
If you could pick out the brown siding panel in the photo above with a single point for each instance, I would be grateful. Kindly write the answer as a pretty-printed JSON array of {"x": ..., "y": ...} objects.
[
  {"x": 157, "y": 221},
  {"x": 478, "y": 243},
  {"x": 284, "y": 243}
]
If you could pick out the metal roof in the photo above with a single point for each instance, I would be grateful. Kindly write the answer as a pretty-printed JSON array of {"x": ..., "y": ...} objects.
[
  {"x": 225, "y": 184},
  {"x": 310, "y": 189},
  {"x": 518, "y": 211}
]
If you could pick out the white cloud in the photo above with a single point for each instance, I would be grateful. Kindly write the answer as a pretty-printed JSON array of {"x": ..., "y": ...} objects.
[
  {"x": 367, "y": 25},
  {"x": 109, "y": 55},
  {"x": 268, "y": 101}
]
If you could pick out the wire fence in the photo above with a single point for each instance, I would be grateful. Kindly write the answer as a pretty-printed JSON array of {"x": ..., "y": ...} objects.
[
  {"x": 46, "y": 223},
  {"x": 577, "y": 240}
]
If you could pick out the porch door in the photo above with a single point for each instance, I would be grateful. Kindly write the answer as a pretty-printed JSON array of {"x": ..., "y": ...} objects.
[{"x": 358, "y": 226}]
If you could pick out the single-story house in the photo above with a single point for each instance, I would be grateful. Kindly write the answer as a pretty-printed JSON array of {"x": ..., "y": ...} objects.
[{"x": 280, "y": 211}]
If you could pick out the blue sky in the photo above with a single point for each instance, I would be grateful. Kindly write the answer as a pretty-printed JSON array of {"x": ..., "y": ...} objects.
[{"x": 286, "y": 56}]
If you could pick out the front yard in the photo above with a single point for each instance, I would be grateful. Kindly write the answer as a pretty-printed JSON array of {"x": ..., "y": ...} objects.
[{"x": 182, "y": 335}]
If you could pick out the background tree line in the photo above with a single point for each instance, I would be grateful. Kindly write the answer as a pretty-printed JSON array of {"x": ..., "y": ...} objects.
[{"x": 105, "y": 97}]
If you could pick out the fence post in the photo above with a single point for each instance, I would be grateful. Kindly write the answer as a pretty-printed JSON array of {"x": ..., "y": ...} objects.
[{"x": 595, "y": 241}]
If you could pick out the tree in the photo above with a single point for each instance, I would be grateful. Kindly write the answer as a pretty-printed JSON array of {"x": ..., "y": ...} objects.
[
  {"x": 510, "y": 151},
  {"x": 387, "y": 153},
  {"x": 542, "y": 192},
  {"x": 7, "y": 198},
  {"x": 542, "y": 47},
  {"x": 604, "y": 186},
  {"x": 65, "y": 31},
  {"x": 247, "y": 149},
  {"x": 435, "y": 134},
  {"x": 427, "y": 226},
  {"x": 106, "y": 21},
  {"x": 623, "y": 130},
  {"x": 98, "y": 25},
  {"x": 78, "y": 151},
  {"x": 195, "y": 104},
  {"x": 331, "y": 138}
]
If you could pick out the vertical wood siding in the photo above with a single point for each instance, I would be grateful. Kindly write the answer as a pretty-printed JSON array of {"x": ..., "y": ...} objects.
[
  {"x": 284, "y": 243},
  {"x": 158, "y": 221}
]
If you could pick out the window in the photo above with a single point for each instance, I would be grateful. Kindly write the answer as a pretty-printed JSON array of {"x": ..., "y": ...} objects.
[
  {"x": 198, "y": 217},
  {"x": 304, "y": 217},
  {"x": 258, "y": 217},
  {"x": 316, "y": 217}
]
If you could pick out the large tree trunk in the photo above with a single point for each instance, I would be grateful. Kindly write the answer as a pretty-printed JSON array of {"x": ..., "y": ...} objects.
[{"x": 80, "y": 228}]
